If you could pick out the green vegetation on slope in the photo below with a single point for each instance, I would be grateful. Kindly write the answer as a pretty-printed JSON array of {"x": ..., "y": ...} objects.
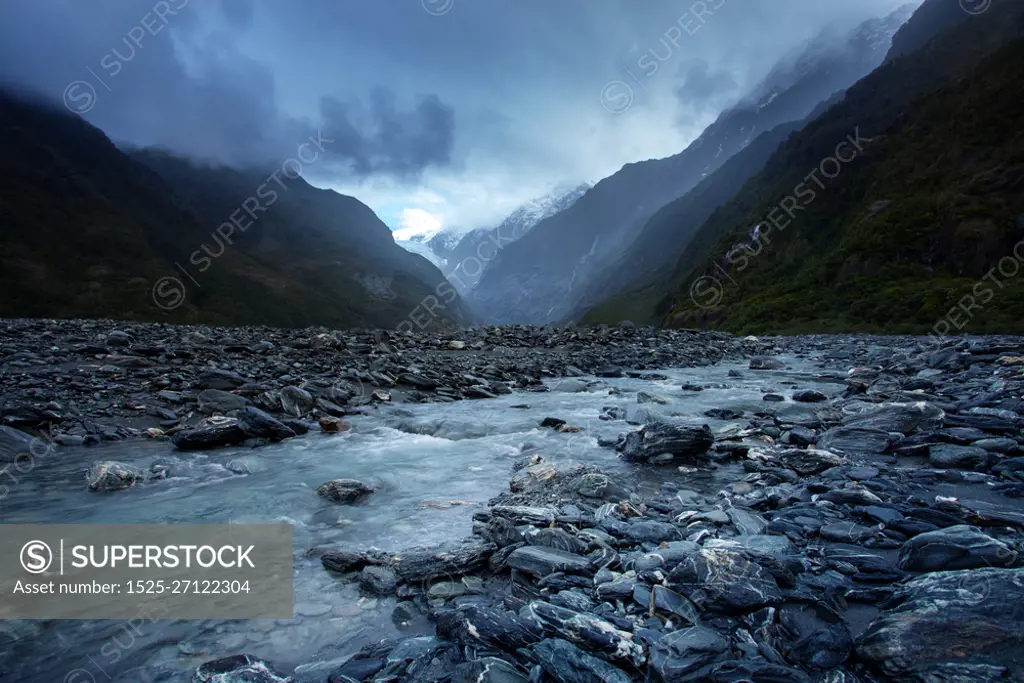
[{"x": 906, "y": 229}]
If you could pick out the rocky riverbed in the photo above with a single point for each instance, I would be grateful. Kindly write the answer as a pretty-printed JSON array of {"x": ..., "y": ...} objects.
[
  {"x": 83, "y": 382},
  {"x": 856, "y": 515}
]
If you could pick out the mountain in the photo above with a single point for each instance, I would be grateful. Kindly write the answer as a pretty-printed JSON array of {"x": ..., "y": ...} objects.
[
  {"x": 531, "y": 282},
  {"x": 463, "y": 256},
  {"x": 475, "y": 251},
  {"x": 420, "y": 245},
  {"x": 92, "y": 231},
  {"x": 920, "y": 232}
]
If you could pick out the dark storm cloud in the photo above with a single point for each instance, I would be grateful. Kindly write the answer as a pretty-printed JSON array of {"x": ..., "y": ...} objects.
[
  {"x": 169, "y": 74},
  {"x": 381, "y": 138}
]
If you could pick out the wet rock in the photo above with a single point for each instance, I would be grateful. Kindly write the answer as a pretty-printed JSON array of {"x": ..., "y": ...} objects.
[
  {"x": 587, "y": 631},
  {"x": 765, "y": 363},
  {"x": 823, "y": 649},
  {"x": 477, "y": 624},
  {"x": 258, "y": 424},
  {"x": 224, "y": 380},
  {"x": 807, "y": 462},
  {"x": 333, "y": 425},
  {"x": 809, "y": 396},
  {"x": 955, "y": 547},
  {"x": 446, "y": 560},
  {"x": 488, "y": 670},
  {"x": 899, "y": 417},
  {"x": 661, "y": 439},
  {"x": 725, "y": 581},
  {"x": 687, "y": 654},
  {"x": 953, "y": 621},
  {"x": 773, "y": 398},
  {"x": 378, "y": 580},
  {"x": 644, "y": 397},
  {"x": 846, "y": 532},
  {"x": 652, "y": 532},
  {"x": 215, "y": 401},
  {"x": 855, "y": 441},
  {"x": 344, "y": 491},
  {"x": 238, "y": 669},
  {"x": 296, "y": 402},
  {"x": 539, "y": 561},
  {"x": 670, "y": 603},
  {"x": 593, "y": 485},
  {"x": 723, "y": 414},
  {"x": 213, "y": 432},
  {"x": 112, "y": 476},
  {"x": 566, "y": 663},
  {"x": 342, "y": 561},
  {"x": 362, "y": 665},
  {"x": 800, "y": 436},
  {"x": 761, "y": 671},
  {"x": 557, "y": 539},
  {"x": 960, "y": 457}
]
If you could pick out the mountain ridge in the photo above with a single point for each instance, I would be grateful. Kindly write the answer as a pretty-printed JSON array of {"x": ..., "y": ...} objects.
[{"x": 528, "y": 282}]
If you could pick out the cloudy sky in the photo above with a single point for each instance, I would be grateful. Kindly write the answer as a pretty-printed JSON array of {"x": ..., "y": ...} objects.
[{"x": 433, "y": 112}]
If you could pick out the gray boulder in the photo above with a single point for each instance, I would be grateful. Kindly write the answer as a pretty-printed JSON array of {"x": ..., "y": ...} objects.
[
  {"x": 344, "y": 491},
  {"x": 955, "y": 547},
  {"x": 109, "y": 475},
  {"x": 968, "y": 622},
  {"x": 661, "y": 441},
  {"x": 215, "y": 401},
  {"x": 297, "y": 402},
  {"x": 259, "y": 424},
  {"x": 213, "y": 432}
]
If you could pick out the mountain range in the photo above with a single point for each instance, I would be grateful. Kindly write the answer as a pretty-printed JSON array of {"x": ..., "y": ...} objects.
[
  {"x": 920, "y": 232},
  {"x": 91, "y": 230},
  {"x": 914, "y": 226},
  {"x": 463, "y": 255},
  {"x": 572, "y": 261}
]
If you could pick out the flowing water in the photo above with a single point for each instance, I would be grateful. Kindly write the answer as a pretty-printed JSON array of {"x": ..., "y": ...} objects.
[{"x": 433, "y": 465}]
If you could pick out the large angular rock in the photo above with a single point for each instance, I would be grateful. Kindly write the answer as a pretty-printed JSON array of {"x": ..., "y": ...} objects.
[
  {"x": 224, "y": 380},
  {"x": 344, "y": 491},
  {"x": 213, "y": 432},
  {"x": 539, "y": 561},
  {"x": 215, "y": 401},
  {"x": 951, "y": 621},
  {"x": 666, "y": 442},
  {"x": 259, "y": 424},
  {"x": 112, "y": 476},
  {"x": 477, "y": 624},
  {"x": 588, "y": 631},
  {"x": 687, "y": 655},
  {"x": 724, "y": 580},
  {"x": 295, "y": 401},
  {"x": 566, "y": 663},
  {"x": 949, "y": 456},
  {"x": 378, "y": 580},
  {"x": 807, "y": 462},
  {"x": 446, "y": 560},
  {"x": 238, "y": 669},
  {"x": 855, "y": 441},
  {"x": 955, "y": 547},
  {"x": 904, "y": 418}
]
